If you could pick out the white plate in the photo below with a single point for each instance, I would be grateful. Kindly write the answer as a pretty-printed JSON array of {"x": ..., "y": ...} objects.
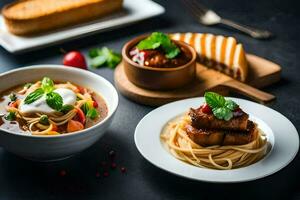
[
  {"x": 280, "y": 132},
  {"x": 134, "y": 10}
]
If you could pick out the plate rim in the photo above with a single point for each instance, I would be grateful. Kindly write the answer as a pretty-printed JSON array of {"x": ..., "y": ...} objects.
[
  {"x": 129, "y": 4},
  {"x": 268, "y": 173}
]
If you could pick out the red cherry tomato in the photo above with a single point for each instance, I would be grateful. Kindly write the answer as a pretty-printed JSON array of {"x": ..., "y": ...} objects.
[
  {"x": 13, "y": 104},
  {"x": 80, "y": 89},
  {"x": 95, "y": 104},
  {"x": 75, "y": 59},
  {"x": 81, "y": 116},
  {"x": 206, "y": 109},
  {"x": 54, "y": 128}
]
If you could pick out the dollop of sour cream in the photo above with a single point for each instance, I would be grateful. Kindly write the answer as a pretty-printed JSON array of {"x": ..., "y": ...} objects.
[{"x": 41, "y": 106}]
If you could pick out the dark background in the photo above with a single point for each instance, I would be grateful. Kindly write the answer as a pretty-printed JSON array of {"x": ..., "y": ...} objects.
[{"x": 22, "y": 179}]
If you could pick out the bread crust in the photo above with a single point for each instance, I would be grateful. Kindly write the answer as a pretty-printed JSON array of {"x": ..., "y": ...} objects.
[
  {"x": 221, "y": 53},
  {"x": 56, "y": 17}
]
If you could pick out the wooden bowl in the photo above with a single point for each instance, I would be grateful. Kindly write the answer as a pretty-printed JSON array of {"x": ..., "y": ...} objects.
[{"x": 158, "y": 78}]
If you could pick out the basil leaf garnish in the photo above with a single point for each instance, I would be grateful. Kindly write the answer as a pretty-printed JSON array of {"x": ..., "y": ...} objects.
[
  {"x": 222, "y": 108},
  {"x": 33, "y": 96},
  {"x": 54, "y": 100},
  {"x": 104, "y": 57},
  {"x": 11, "y": 116},
  {"x": 47, "y": 85},
  {"x": 13, "y": 97},
  {"x": 222, "y": 113},
  {"x": 44, "y": 120},
  {"x": 85, "y": 108},
  {"x": 214, "y": 100},
  {"x": 158, "y": 39},
  {"x": 66, "y": 108},
  {"x": 230, "y": 104},
  {"x": 92, "y": 113}
]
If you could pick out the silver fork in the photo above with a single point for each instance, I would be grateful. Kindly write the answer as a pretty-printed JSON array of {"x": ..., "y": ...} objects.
[{"x": 209, "y": 17}]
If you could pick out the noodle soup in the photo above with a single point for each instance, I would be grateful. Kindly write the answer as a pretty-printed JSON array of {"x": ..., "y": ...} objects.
[{"x": 50, "y": 108}]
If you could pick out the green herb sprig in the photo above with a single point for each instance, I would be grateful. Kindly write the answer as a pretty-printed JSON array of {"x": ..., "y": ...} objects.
[
  {"x": 13, "y": 97},
  {"x": 53, "y": 99},
  {"x": 104, "y": 57},
  {"x": 222, "y": 108},
  {"x": 89, "y": 111},
  {"x": 158, "y": 39},
  {"x": 47, "y": 85},
  {"x": 10, "y": 116},
  {"x": 33, "y": 96},
  {"x": 44, "y": 120},
  {"x": 66, "y": 108}
]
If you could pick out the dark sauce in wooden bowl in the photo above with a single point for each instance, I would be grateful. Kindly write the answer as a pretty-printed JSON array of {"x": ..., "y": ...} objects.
[{"x": 157, "y": 58}]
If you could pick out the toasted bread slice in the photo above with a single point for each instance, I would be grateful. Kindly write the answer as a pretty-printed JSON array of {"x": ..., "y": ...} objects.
[
  {"x": 25, "y": 17},
  {"x": 221, "y": 53}
]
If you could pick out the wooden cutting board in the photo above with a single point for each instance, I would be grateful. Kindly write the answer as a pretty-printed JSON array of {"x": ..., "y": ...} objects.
[{"x": 261, "y": 73}]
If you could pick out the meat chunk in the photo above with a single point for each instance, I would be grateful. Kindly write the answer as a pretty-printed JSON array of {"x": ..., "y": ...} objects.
[
  {"x": 240, "y": 138},
  {"x": 202, "y": 120},
  {"x": 206, "y": 137}
]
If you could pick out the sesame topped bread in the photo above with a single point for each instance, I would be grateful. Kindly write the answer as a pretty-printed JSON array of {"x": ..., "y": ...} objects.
[
  {"x": 221, "y": 53},
  {"x": 25, "y": 17}
]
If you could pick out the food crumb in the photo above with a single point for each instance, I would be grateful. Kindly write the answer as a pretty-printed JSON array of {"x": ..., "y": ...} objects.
[
  {"x": 62, "y": 173},
  {"x": 105, "y": 174},
  {"x": 123, "y": 169}
]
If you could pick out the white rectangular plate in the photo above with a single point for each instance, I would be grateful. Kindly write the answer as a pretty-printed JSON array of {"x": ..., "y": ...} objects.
[{"x": 134, "y": 10}]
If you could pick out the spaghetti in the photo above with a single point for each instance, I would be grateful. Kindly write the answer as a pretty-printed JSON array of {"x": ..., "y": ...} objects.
[{"x": 177, "y": 142}]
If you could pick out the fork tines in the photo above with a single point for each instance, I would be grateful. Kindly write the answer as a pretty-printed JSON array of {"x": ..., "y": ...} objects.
[{"x": 197, "y": 9}]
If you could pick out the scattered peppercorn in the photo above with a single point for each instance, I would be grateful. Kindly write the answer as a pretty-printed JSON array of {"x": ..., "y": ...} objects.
[
  {"x": 112, "y": 154},
  {"x": 105, "y": 174},
  {"x": 113, "y": 165},
  {"x": 123, "y": 169},
  {"x": 63, "y": 173}
]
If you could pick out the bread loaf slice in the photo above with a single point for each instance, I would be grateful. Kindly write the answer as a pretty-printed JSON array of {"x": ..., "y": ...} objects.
[
  {"x": 221, "y": 53},
  {"x": 26, "y": 17}
]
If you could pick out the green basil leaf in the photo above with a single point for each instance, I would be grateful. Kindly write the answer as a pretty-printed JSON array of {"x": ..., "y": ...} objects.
[
  {"x": 47, "y": 85},
  {"x": 33, "y": 96},
  {"x": 98, "y": 61},
  {"x": 93, "y": 53},
  {"x": 13, "y": 97},
  {"x": 11, "y": 116},
  {"x": 214, "y": 100},
  {"x": 104, "y": 57},
  {"x": 230, "y": 104},
  {"x": 66, "y": 108},
  {"x": 222, "y": 113},
  {"x": 92, "y": 113},
  {"x": 158, "y": 39},
  {"x": 173, "y": 53},
  {"x": 54, "y": 100},
  {"x": 112, "y": 58},
  {"x": 85, "y": 108},
  {"x": 148, "y": 44},
  {"x": 44, "y": 120}
]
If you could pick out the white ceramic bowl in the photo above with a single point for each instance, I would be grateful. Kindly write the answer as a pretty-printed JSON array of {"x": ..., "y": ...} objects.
[{"x": 47, "y": 148}]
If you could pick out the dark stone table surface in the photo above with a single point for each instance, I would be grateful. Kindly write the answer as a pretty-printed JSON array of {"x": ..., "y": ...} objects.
[{"x": 22, "y": 179}]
